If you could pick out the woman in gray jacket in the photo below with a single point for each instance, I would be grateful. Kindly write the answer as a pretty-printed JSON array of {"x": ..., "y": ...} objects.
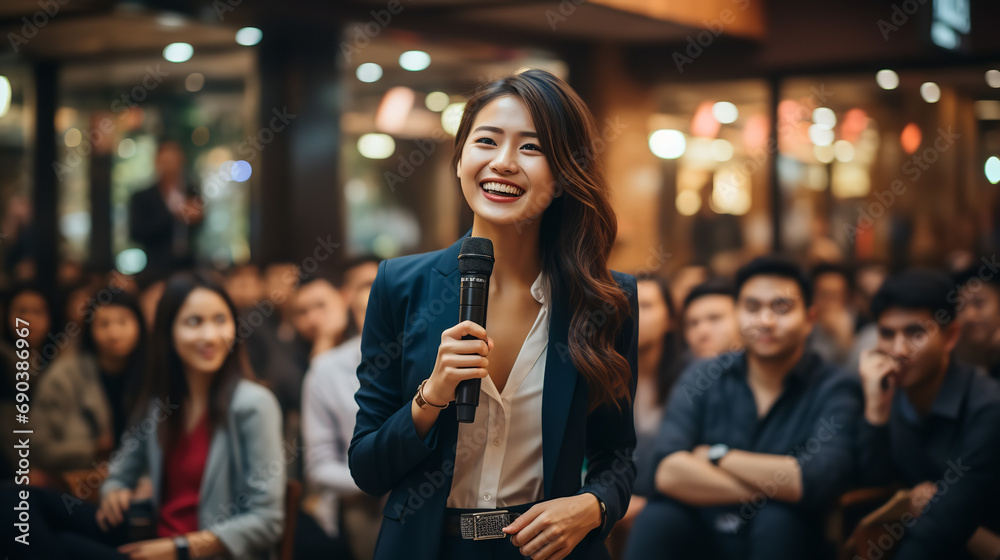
[{"x": 210, "y": 440}]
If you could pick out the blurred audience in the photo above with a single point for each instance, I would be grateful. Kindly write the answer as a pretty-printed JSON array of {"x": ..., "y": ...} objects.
[
  {"x": 281, "y": 280},
  {"x": 319, "y": 315},
  {"x": 278, "y": 355},
  {"x": 337, "y": 513},
  {"x": 359, "y": 274},
  {"x": 75, "y": 300},
  {"x": 18, "y": 233},
  {"x": 661, "y": 361},
  {"x": 756, "y": 445},
  {"x": 868, "y": 278},
  {"x": 740, "y": 454},
  {"x": 275, "y": 368},
  {"x": 26, "y": 337},
  {"x": 660, "y": 354},
  {"x": 979, "y": 314},
  {"x": 930, "y": 424},
  {"x": 149, "y": 298},
  {"x": 214, "y": 454},
  {"x": 833, "y": 334},
  {"x": 83, "y": 402},
  {"x": 245, "y": 286},
  {"x": 29, "y": 309},
  {"x": 709, "y": 320},
  {"x": 684, "y": 280}
]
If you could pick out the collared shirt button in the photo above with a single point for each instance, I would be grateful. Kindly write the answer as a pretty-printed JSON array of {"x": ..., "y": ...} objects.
[
  {"x": 487, "y": 496},
  {"x": 496, "y": 441}
]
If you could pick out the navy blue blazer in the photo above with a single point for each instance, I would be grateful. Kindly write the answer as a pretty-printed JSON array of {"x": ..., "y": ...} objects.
[{"x": 413, "y": 300}]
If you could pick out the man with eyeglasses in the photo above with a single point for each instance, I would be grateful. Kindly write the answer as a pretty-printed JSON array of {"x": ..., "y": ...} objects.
[{"x": 756, "y": 444}]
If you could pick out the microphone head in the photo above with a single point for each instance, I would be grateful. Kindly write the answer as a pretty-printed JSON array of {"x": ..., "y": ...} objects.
[{"x": 476, "y": 256}]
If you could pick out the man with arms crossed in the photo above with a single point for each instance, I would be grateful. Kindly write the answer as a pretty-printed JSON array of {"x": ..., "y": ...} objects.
[{"x": 755, "y": 444}]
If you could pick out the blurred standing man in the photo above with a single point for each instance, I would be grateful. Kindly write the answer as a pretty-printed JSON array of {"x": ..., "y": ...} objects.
[
  {"x": 931, "y": 423},
  {"x": 709, "y": 318},
  {"x": 755, "y": 445},
  {"x": 164, "y": 217}
]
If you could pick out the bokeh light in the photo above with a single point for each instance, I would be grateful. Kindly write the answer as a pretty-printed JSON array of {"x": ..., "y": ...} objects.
[
  {"x": 369, "y": 72},
  {"x": 376, "y": 146},
  {"x": 178, "y": 52},
  {"x": 249, "y": 36},
  {"x": 667, "y": 143},
  {"x": 887, "y": 79},
  {"x": 414, "y": 61}
]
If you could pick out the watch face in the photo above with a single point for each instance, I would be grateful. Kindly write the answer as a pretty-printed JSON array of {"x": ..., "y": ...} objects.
[{"x": 717, "y": 451}]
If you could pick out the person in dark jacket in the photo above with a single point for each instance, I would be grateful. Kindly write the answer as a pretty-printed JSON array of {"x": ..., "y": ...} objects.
[{"x": 165, "y": 217}]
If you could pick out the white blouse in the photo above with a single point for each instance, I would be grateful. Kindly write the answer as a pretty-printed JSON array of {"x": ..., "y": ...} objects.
[{"x": 498, "y": 459}]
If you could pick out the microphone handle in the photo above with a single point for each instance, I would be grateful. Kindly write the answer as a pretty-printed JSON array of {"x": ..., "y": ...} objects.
[{"x": 467, "y": 392}]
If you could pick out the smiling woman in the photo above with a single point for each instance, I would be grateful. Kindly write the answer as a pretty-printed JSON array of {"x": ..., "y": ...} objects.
[
  {"x": 560, "y": 352},
  {"x": 208, "y": 437},
  {"x": 504, "y": 162}
]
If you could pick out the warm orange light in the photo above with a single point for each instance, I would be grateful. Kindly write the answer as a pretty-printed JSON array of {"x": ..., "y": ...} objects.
[
  {"x": 855, "y": 122},
  {"x": 756, "y": 131},
  {"x": 910, "y": 138},
  {"x": 394, "y": 109},
  {"x": 790, "y": 112},
  {"x": 704, "y": 124}
]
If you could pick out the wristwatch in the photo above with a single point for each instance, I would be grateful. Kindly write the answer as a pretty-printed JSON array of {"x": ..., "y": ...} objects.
[
  {"x": 183, "y": 547},
  {"x": 717, "y": 452},
  {"x": 422, "y": 402}
]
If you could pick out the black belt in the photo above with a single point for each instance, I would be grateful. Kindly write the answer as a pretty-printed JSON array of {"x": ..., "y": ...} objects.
[{"x": 479, "y": 526}]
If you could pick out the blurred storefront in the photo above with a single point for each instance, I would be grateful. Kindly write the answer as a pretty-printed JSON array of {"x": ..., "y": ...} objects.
[{"x": 728, "y": 128}]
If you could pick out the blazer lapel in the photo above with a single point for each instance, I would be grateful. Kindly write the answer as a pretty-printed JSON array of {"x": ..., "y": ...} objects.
[
  {"x": 560, "y": 385},
  {"x": 441, "y": 304}
]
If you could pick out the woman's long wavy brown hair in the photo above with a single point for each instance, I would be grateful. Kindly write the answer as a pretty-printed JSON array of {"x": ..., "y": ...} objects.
[{"x": 577, "y": 229}]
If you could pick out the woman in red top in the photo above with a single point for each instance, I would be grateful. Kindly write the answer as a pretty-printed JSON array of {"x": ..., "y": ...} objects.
[
  {"x": 210, "y": 440},
  {"x": 224, "y": 424}
]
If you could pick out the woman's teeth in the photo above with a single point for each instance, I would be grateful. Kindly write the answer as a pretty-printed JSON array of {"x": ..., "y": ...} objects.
[{"x": 502, "y": 189}]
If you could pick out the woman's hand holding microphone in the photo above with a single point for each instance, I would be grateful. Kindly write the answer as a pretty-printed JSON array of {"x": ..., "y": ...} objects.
[{"x": 457, "y": 360}]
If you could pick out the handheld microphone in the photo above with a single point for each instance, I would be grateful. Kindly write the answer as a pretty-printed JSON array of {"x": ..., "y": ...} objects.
[{"x": 475, "y": 265}]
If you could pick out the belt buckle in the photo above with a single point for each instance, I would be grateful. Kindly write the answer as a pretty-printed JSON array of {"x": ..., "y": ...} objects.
[{"x": 485, "y": 525}]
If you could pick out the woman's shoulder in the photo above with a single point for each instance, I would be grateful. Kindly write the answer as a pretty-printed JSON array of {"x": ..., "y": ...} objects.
[
  {"x": 625, "y": 281},
  {"x": 252, "y": 396},
  {"x": 405, "y": 269}
]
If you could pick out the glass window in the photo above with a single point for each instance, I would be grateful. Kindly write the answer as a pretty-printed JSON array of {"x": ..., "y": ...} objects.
[
  {"x": 889, "y": 165},
  {"x": 112, "y": 117},
  {"x": 712, "y": 139},
  {"x": 16, "y": 138}
]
